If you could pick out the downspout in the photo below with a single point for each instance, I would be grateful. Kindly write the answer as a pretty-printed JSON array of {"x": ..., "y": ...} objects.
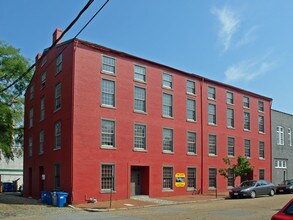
[
  {"x": 202, "y": 135},
  {"x": 271, "y": 142},
  {"x": 72, "y": 114}
]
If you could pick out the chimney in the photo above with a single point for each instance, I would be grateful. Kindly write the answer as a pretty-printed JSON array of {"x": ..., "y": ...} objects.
[
  {"x": 39, "y": 55},
  {"x": 57, "y": 34}
]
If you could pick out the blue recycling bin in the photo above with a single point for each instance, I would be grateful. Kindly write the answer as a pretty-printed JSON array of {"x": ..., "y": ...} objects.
[
  {"x": 8, "y": 187},
  {"x": 49, "y": 199},
  {"x": 44, "y": 195},
  {"x": 61, "y": 198}
]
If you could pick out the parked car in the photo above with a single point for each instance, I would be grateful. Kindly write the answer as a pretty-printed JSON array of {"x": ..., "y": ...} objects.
[
  {"x": 253, "y": 188},
  {"x": 286, "y": 213},
  {"x": 285, "y": 187}
]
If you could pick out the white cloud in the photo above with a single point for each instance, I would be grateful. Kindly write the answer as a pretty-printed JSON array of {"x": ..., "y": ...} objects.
[
  {"x": 248, "y": 70},
  {"x": 248, "y": 37},
  {"x": 229, "y": 24}
]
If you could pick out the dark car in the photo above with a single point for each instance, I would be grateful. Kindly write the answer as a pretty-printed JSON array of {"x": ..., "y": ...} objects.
[
  {"x": 286, "y": 213},
  {"x": 285, "y": 187},
  {"x": 253, "y": 188}
]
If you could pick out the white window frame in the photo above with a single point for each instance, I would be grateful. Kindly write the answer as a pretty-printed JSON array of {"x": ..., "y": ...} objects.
[
  {"x": 112, "y": 135},
  {"x": 42, "y": 109},
  {"x": 261, "y": 150},
  {"x": 167, "y": 83},
  {"x": 192, "y": 88},
  {"x": 167, "y": 107},
  {"x": 43, "y": 80},
  {"x": 229, "y": 100},
  {"x": 42, "y": 141},
  {"x": 280, "y": 135},
  {"x": 31, "y": 115},
  {"x": 59, "y": 63},
  {"x": 108, "y": 64},
  {"x": 212, "y": 93},
  {"x": 192, "y": 111},
  {"x": 191, "y": 144},
  {"x": 57, "y": 132},
  {"x": 290, "y": 137},
  {"x": 141, "y": 139},
  {"x": 138, "y": 99},
  {"x": 105, "y": 92},
  {"x": 58, "y": 91},
  {"x": 139, "y": 73}
]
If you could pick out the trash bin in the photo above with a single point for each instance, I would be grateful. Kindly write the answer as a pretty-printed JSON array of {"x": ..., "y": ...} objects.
[
  {"x": 54, "y": 198},
  {"x": 8, "y": 187},
  {"x": 49, "y": 198},
  {"x": 61, "y": 198},
  {"x": 44, "y": 196}
]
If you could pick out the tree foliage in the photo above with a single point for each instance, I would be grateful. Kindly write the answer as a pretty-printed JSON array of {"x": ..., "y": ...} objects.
[
  {"x": 12, "y": 66},
  {"x": 241, "y": 168}
]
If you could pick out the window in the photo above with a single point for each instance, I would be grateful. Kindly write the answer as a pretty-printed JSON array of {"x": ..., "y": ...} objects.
[
  {"x": 280, "y": 135},
  {"x": 212, "y": 177},
  {"x": 281, "y": 164},
  {"x": 247, "y": 148},
  {"x": 109, "y": 65},
  {"x": 167, "y": 81},
  {"x": 261, "y": 150},
  {"x": 56, "y": 175},
  {"x": 191, "y": 142},
  {"x": 246, "y": 121},
  {"x": 167, "y": 105},
  {"x": 108, "y": 93},
  {"x": 212, "y": 114},
  {"x": 167, "y": 178},
  {"x": 58, "y": 135},
  {"x": 167, "y": 140},
  {"x": 191, "y": 178},
  {"x": 246, "y": 103},
  {"x": 261, "y": 126},
  {"x": 44, "y": 60},
  {"x": 42, "y": 138},
  {"x": 139, "y": 73},
  {"x": 107, "y": 177},
  {"x": 230, "y": 98},
  {"x": 31, "y": 117},
  {"x": 231, "y": 146},
  {"x": 230, "y": 118},
  {"x": 211, "y": 93},
  {"x": 230, "y": 179},
  {"x": 30, "y": 146},
  {"x": 43, "y": 83},
  {"x": 190, "y": 87},
  {"x": 261, "y": 174},
  {"x": 212, "y": 144},
  {"x": 42, "y": 107},
  {"x": 108, "y": 133},
  {"x": 139, "y": 99},
  {"x": 59, "y": 64},
  {"x": 58, "y": 97},
  {"x": 290, "y": 137},
  {"x": 261, "y": 106},
  {"x": 191, "y": 112},
  {"x": 32, "y": 88},
  {"x": 140, "y": 137}
]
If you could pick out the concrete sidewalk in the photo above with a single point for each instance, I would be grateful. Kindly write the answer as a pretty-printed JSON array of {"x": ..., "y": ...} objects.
[{"x": 145, "y": 201}]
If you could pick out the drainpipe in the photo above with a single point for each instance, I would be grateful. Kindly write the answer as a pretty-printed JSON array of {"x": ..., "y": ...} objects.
[{"x": 202, "y": 133}]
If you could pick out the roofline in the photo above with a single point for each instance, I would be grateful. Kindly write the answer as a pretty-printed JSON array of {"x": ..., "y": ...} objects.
[
  {"x": 120, "y": 53},
  {"x": 278, "y": 111}
]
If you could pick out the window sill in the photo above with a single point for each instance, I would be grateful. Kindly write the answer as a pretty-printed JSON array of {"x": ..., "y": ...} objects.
[
  {"x": 261, "y": 158},
  {"x": 167, "y": 152},
  {"x": 230, "y": 127},
  {"x": 191, "y": 121},
  {"x": 108, "y": 73},
  {"x": 188, "y": 93},
  {"x": 140, "y": 112},
  {"x": 212, "y": 124},
  {"x": 167, "y": 190},
  {"x": 108, "y": 106},
  {"x": 191, "y": 154},
  {"x": 106, "y": 191},
  {"x": 168, "y": 117},
  {"x": 246, "y": 107},
  {"x": 260, "y": 132},
  {"x": 213, "y": 155},
  {"x": 246, "y": 130},
  {"x": 166, "y": 87},
  {"x": 55, "y": 149},
  {"x": 212, "y": 188},
  {"x": 57, "y": 110},
  {"x": 140, "y": 81},
  {"x": 211, "y": 99},
  {"x": 108, "y": 147},
  {"x": 230, "y": 156},
  {"x": 140, "y": 150}
]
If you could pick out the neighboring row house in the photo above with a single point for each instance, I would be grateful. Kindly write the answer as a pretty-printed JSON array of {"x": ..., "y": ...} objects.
[
  {"x": 282, "y": 146},
  {"x": 100, "y": 121}
]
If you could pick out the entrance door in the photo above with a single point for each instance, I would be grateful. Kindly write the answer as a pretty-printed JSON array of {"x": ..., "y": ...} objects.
[{"x": 135, "y": 182}]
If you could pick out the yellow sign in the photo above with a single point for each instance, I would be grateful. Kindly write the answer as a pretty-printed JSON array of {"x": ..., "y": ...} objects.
[{"x": 180, "y": 179}]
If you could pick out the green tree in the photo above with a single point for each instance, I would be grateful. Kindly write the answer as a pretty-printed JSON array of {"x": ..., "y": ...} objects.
[
  {"x": 241, "y": 168},
  {"x": 12, "y": 67}
]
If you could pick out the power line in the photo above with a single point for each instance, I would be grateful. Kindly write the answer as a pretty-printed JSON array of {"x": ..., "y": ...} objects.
[{"x": 53, "y": 44}]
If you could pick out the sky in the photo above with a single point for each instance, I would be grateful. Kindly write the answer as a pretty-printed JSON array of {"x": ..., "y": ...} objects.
[{"x": 247, "y": 44}]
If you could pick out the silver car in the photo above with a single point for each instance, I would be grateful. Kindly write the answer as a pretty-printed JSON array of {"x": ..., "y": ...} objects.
[{"x": 253, "y": 188}]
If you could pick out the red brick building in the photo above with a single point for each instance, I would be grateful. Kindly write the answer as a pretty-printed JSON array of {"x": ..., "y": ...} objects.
[{"x": 100, "y": 121}]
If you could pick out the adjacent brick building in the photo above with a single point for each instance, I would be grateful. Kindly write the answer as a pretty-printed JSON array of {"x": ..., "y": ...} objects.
[
  {"x": 100, "y": 121},
  {"x": 282, "y": 146}
]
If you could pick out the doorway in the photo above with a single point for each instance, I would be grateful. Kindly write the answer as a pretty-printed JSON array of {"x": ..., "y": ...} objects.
[{"x": 139, "y": 180}]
